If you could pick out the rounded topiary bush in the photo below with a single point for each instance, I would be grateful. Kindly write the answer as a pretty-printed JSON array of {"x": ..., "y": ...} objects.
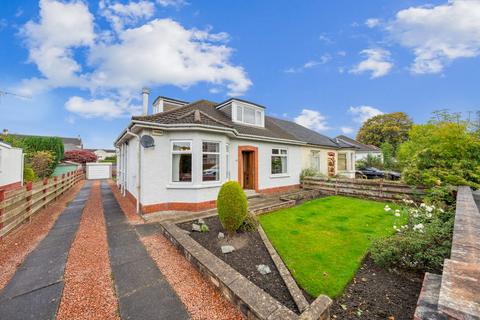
[{"x": 232, "y": 206}]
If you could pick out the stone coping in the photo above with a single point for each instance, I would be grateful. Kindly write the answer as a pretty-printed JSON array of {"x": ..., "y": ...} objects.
[
  {"x": 456, "y": 293},
  {"x": 252, "y": 301}
]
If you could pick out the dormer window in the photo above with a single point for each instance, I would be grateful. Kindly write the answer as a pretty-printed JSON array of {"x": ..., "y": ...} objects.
[{"x": 250, "y": 115}]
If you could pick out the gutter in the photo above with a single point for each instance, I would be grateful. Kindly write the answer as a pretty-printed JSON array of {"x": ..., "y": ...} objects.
[{"x": 139, "y": 160}]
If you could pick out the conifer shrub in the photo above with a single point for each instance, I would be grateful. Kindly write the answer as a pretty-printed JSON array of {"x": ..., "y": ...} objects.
[{"x": 232, "y": 206}]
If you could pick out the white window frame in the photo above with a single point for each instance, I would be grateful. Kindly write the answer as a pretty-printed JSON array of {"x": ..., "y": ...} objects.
[
  {"x": 315, "y": 160},
  {"x": 227, "y": 161},
  {"x": 219, "y": 153},
  {"x": 259, "y": 115},
  {"x": 172, "y": 152},
  {"x": 346, "y": 161},
  {"x": 282, "y": 174}
]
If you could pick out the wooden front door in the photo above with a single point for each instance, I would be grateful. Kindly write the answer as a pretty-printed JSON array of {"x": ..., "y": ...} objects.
[{"x": 248, "y": 165}]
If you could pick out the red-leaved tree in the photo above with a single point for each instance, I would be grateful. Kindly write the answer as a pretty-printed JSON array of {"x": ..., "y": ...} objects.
[{"x": 80, "y": 156}]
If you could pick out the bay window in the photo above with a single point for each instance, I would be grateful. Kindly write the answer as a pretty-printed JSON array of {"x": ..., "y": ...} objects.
[
  {"x": 279, "y": 159},
  {"x": 210, "y": 161},
  {"x": 181, "y": 161}
]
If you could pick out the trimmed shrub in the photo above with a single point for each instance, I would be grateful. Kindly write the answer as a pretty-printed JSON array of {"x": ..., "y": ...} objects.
[
  {"x": 80, "y": 156},
  {"x": 232, "y": 206},
  {"x": 29, "y": 174},
  {"x": 309, "y": 172}
]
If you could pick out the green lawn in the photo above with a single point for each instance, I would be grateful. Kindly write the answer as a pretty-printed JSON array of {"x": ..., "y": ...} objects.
[{"x": 323, "y": 241}]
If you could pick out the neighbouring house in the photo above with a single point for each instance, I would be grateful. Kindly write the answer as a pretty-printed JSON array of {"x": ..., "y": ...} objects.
[
  {"x": 178, "y": 157},
  {"x": 69, "y": 143},
  {"x": 362, "y": 150},
  {"x": 102, "y": 154},
  {"x": 325, "y": 155},
  {"x": 11, "y": 167}
]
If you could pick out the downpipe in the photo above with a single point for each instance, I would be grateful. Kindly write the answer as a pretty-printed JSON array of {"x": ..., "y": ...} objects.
[{"x": 139, "y": 160}]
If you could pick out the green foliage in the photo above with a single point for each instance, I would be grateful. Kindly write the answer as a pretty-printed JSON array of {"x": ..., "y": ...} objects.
[
  {"x": 204, "y": 228},
  {"x": 41, "y": 163},
  {"x": 309, "y": 172},
  {"x": 112, "y": 159},
  {"x": 388, "y": 152},
  {"x": 323, "y": 241},
  {"x": 422, "y": 244},
  {"x": 13, "y": 141},
  {"x": 231, "y": 206},
  {"x": 51, "y": 144},
  {"x": 369, "y": 161},
  {"x": 391, "y": 127},
  {"x": 441, "y": 153},
  {"x": 250, "y": 223},
  {"x": 28, "y": 174}
]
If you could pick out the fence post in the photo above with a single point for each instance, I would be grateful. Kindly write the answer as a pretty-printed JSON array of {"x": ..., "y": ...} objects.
[
  {"x": 2, "y": 198},
  {"x": 28, "y": 188},
  {"x": 55, "y": 184},
  {"x": 45, "y": 189},
  {"x": 336, "y": 186}
]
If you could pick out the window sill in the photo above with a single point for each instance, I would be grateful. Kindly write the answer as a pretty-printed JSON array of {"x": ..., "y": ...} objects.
[
  {"x": 194, "y": 186},
  {"x": 282, "y": 175}
]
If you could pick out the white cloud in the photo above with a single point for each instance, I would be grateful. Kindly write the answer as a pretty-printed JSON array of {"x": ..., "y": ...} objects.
[
  {"x": 372, "y": 22},
  {"x": 62, "y": 27},
  {"x": 342, "y": 53},
  {"x": 325, "y": 39},
  {"x": 312, "y": 119},
  {"x": 105, "y": 108},
  {"x": 363, "y": 113},
  {"x": 119, "y": 14},
  {"x": 117, "y": 65},
  {"x": 172, "y": 3},
  {"x": 310, "y": 64},
  {"x": 346, "y": 130},
  {"x": 439, "y": 34},
  {"x": 164, "y": 52},
  {"x": 377, "y": 61}
]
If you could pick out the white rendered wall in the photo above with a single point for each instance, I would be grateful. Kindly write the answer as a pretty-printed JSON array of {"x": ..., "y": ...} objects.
[{"x": 11, "y": 165}]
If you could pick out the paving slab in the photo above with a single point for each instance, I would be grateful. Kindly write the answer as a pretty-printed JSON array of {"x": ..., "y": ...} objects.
[
  {"x": 147, "y": 229},
  {"x": 142, "y": 289},
  {"x": 35, "y": 290}
]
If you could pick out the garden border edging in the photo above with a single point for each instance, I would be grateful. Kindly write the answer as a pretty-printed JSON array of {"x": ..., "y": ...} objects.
[{"x": 252, "y": 301}]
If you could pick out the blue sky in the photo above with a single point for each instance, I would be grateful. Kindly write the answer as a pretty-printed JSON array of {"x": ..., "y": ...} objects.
[{"x": 327, "y": 65}]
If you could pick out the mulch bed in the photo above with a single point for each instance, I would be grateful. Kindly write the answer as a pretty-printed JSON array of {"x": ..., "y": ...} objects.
[
  {"x": 249, "y": 252},
  {"x": 17, "y": 245},
  {"x": 88, "y": 291},
  {"x": 378, "y": 293}
]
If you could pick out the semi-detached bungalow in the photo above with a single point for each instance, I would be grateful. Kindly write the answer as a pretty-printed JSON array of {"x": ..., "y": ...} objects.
[{"x": 178, "y": 157}]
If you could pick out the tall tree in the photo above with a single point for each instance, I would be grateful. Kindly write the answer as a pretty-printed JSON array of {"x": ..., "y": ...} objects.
[{"x": 391, "y": 128}]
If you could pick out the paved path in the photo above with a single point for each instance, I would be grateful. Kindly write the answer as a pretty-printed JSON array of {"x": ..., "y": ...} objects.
[
  {"x": 142, "y": 291},
  {"x": 35, "y": 290}
]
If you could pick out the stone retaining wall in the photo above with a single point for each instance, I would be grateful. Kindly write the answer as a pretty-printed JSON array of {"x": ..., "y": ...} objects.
[
  {"x": 252, "y": 301},
  {"x": 456, "y": 293}
]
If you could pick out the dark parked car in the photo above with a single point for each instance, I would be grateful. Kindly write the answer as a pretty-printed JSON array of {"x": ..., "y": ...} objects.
[{"x": 374, "y": 173}]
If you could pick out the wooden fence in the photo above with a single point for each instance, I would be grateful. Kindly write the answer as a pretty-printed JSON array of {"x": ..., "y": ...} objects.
[
  {"x": 372, "y": 189},
  {"x": 17, "y": 206}
]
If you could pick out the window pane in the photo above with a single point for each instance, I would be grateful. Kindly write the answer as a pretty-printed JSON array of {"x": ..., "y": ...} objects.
[
  {"x": 274, "y": 151},
  {"x": 283, "y": 151},
  {"x": 249, "y": 115},
  {"x": 181, "y": 167},
  {"x": 239, "y": 113},
  {"x": 279, "y": 164},
  {"x": 258, "y": 118},
  {"x": 181, "y": 146},
  {"x": 211, "y": 166},
  {"x": 342, "y": 161},
  {"x": 210, "y": 147}
]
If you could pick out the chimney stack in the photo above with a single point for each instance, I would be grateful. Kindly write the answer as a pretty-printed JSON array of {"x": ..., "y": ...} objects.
[{"x": 145, "y": 94}]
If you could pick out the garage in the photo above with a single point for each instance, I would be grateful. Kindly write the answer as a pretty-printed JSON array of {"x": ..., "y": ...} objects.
[{"x": 99, "y": 170}]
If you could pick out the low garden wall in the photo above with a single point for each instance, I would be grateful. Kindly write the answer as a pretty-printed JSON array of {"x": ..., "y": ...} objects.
[
  {"x": 372, "y": 189},
  {"x": 456, "y": 293},
  {"x": 17, "y": 206}
]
